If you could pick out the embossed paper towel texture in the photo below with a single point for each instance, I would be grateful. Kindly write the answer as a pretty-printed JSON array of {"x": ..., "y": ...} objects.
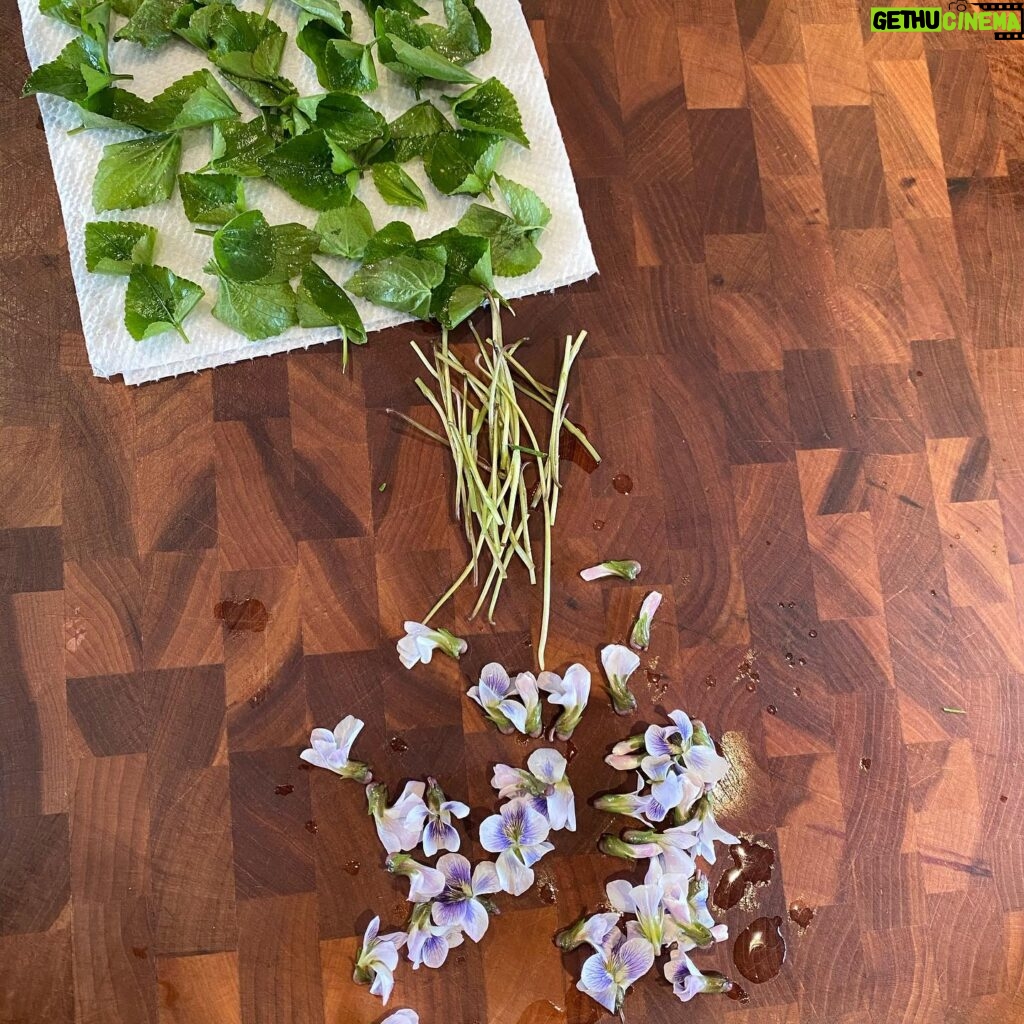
[{"x": 544, "y": 167}]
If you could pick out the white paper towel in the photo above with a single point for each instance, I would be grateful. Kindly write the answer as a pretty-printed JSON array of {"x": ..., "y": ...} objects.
[{"x": 544, "y": 167}]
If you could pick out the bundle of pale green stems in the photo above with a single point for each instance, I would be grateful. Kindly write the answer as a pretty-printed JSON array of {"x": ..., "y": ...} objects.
[{"x": 493, "y": 445}]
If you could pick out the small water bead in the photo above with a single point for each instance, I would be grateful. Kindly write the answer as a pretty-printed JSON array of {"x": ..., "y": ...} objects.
[{"x": 772, "y": 709}]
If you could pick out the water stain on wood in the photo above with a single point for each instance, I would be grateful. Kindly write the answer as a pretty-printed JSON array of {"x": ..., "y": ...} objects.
[
  {"x": 286, "y": 790},
  {"x": 760, "y": 950},
  {"x": 800, "y": 914},
  {"x": 623, "y": 483},
  {"x": 142, "y": 952},
  {"x": 248, "y": 616},
  {"x": 572, "y": 450},
  {"x": 752, "y": 865},
  {"x": 312, "y": 827},
  {"x": 398, "y": 745}
]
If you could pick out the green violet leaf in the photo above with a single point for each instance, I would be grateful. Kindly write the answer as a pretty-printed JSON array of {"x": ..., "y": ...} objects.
[
  {"x": 345, "y": 230},
  {"x": 396, "y": 188},
  {"x": 64, "y": 75},
  {"x": 512, "y": 250},
  {"x": 463, "y": 162},
  {"x": 346, "y": 120},
  {"x": 526, "y": 207},
  {"x": 243, "y": 249},
  {"x": 211, "y": 198},
  {"x": 490, "y": 107},
  {"x": 152, "y": 22},
  {"x": 255, "y": 308},
  {"x": 240, "y": 146},
  {"x": 195, "y": 100},
  {"x": 302, "y": 167},
  {"x": 401, "y": 282},
  {"x": 341, "y": 65},
  {"x": 413, "y": 133},
  {"x": 323, "y": 303},
  {"x": 329, "y": 12},
  {"x": 136, "y": 173},
  {"x": 116, "y": 246},
  {"x": 157, "y": 300}
]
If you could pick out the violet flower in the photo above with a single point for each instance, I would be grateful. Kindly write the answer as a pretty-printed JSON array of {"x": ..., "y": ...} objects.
[
  {"x": 331, "y": 750},
  {"x": 424, "y": 882},
  {"x": 517, "y": 834},
  {"x": 640, "y": 638},
  {"x": 399, "y": 826},
  {"x": 619, "y": 664},
  {"x": 436, "y": 820},
  {"x": 420, "y": 642},
  {"x": 688, "y": 981},
  {"x": 377, "y": 960},
  {"x": 571, "y": 691},
  {"x": 618, "y": 964},
  {"x": 459, "y": 904}
]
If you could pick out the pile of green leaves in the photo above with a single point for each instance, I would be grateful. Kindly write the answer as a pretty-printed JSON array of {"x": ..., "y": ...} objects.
[{"x": 317, "y": 149}]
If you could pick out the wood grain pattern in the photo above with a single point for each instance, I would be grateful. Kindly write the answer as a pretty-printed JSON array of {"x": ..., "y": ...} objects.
[{"x": 807, "y": 351}]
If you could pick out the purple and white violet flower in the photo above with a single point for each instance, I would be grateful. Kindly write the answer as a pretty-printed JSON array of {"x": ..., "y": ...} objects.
[
  {"x": 518, "y": 835},
  {"x": 494, "y": 693},
  {"x": 609, "y": 972},
  {"x": 590, "y": 931},
  {"x": 435, "y": 820},
  {"x": 331, "y": 750},
  {"x": 571, "y": 691},
  {"x": 429, "y": 943},
  {"x": 420, "y": 642},
  {"x": 544, "y": 784},
  {"x": 459, "y": 905},
  {"x": 619, "y": 664},
  {"x": 377, "y": 960},
  {"x": 640, "y": 638},
  {"x": 632, "y": 805}
]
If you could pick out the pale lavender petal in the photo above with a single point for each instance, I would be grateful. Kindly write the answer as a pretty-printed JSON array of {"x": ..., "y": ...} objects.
[
  {"x": 683, "y": 724},
  {"x": 594, "y": 973},
  {"x": 456, "y": 808},
  {"x": 515, "y": 713},
  {"x": 535, "y": 827},
  {"x": 656, "y": 740},
  {"x": 346, "y": 731},
  {"x": 669, "y": 792},
  {"x": 485, "y": 878},
  {"x": 476, "y": 920},
  {"x": 636, "y": 957},
  {"x": 435, "y": 951},
  {"x": 620, "y": 895},
  {"x": 492, "y": 834},
  {"x": 371, "y": 933},
  {"x": 383, "y": 983},
  {"x": 455, "y": 868},
  {"x": 657, "y": 768},
  {"x": 494, "y": 679},
  {"x": 562, "y": 808},
  {"x": 551, "y": 682},
  {"x": 506, "y": 780},
  {"x": 577, "y": 683},
  {"x": 402, "y": 1017},
  {"x": 514, "y": 875},
  {"x": 314, "y": 758},
  {"x": 547, "y": 764},
  {"x": 324, "y": 736},
  {"x": 451, "y": 915},
  {"x": 439, "y": 835},
  {"x": 707, "y": 764},
  {"x": 595, "y": 572}
]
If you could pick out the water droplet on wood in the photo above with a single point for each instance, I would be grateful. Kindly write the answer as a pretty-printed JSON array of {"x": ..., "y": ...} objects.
[
  {"x": 752, "y": 865},
  {"x": 760, "y": 950},
  {"x": 284, "y": 790},
  {"x": 800, "y": 914},
  {"x": 249, "y": 616},
  {"x": 622, "y": 483}
]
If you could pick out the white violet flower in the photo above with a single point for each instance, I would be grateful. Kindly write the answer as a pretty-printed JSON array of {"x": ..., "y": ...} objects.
[
  {"x": 618, "y": 964},
  {"x": 424, "y": 882},
  {"x": 517, "y": 834},
  {"x": 619, "y": 664},
  {"x": 377, "y": 960},
  {"x": 331, "y": 750},
  {"x": 640, "y": 638},
  {"x": 571, "y": 691},
  {"x": 627, "y": 570},
  {"x": 459, "y": 904},
  {"x": 686, "y": 902},
  {"x": 525, "y": 716},
  {"x": 672, "y": 847},
  {"x": 399, "y": 826},
  {"x": 420, "y": 642}
]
